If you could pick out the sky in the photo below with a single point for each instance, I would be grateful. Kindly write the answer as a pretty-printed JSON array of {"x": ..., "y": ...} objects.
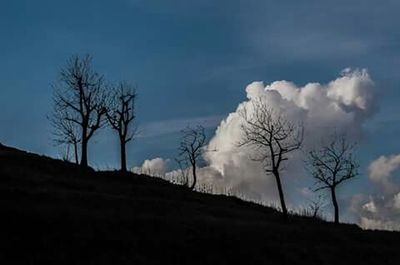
[{"x": 191, "y": 62}]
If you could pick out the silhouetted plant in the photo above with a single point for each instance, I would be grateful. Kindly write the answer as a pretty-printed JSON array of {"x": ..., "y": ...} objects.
[
  {"x": 315, "y": 207},
  {"x": 205, "y": 188},
  {"x": 79, "y": 101},
  {"x": 272, "y": 136},
  {"x": 313, "y": 210},
  {"x": 332, "y": 165},
  {"x": 191, "y": 149},
  {"x": 121, "y": 115},
  {"x": 183, "y": 171},
  {"x": 65, "y": 133}
]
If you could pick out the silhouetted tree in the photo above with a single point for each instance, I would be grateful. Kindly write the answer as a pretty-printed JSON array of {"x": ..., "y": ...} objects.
[
  {"x": 65, "y": 133},
  {"x": 191, "y": 148},
  {"x": 315, "y": 207},
  {"x": 79, "y": 99},
  {"x": 183, "y": 171},
  {"x": 120, "y": 116},
  {"x": 332, "y": 165},
  {"x": 273, "y": 137}
]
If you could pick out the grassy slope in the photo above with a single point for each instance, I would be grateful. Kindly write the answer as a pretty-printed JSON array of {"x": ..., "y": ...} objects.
[{"x": 53, "y": 213}]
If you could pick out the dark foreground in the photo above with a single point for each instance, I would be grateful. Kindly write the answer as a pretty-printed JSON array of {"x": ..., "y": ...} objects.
[{"x": 53, "y": 213}]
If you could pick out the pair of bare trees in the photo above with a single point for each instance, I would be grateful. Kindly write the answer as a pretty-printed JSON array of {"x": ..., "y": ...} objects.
[
  {"x": 83, "y": 104},
  {"x": 274, "y": 137}
]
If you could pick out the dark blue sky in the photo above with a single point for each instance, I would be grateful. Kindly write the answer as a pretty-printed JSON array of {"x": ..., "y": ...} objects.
[{"x": 191, "y": 60}]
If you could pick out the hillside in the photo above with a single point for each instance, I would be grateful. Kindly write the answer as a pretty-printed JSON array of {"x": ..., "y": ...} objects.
[{"x": 52, "y": 212}]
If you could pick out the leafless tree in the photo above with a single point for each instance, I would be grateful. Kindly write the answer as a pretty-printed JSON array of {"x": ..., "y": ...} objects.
[
  {"x": 65, "y": 133},
  {"x": 272, "y": 136},
  {"x": 315, "y": 207},
  {"x": 120, "y": 116},
  {"x": 79, "y": 99},
  {"x": 191, "y": 149},
  {"x": 331, "y": 165},
  {"x": 183, "y": 171}
]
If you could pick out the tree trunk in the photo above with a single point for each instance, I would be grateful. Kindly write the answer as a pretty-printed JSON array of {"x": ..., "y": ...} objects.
[
  {"x": 84, "y": 160},
  {"x": 76, "y": 153},
  {"x": 281, "y": 195},
  {"x": 194, "y": 178},
  {"x": 123, "y": 156},
  {"x": 335, "y": 205}
]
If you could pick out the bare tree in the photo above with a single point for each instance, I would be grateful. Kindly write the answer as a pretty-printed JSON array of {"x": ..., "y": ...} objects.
[
  {"x": 79, "y": 99},
  {"x": 120, "y": 116},
  {"x": 191, "y": 149},
  {"x": 183, "y": 171},
  {"x": 315, "y": 207},
  {"x": 65, "y": 133},
  {"x": 332, "y": 165},
  {"x": 272, "y": 136}
]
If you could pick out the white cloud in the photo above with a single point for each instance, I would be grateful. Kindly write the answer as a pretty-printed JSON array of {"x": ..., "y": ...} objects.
[
  {"x": 342, "y": 105},
  {"x": 381, "y": 170},
  {"x": 381, "y": 210},
  {"x": 154, "y": 167},
  {"x": 379, "y": 224},
  {"x": 370, "y": 207}
]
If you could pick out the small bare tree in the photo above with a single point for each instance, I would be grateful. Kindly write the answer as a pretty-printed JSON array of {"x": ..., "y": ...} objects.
[
  {"x": 191, "y": 149},
  {"x": 315, "y": 207},
  {"x": 183, "y": 171},
  {"x": 65, "y": 133},
  {"x": 120, "y": 116},
  {"x": 272, "y": 136},
  {"x": 79, "y": 99},
  {"x": 332, "y": 165}
]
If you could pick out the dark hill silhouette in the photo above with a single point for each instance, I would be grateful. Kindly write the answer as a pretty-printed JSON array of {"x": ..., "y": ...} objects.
[{"x": 52, "y": 212}]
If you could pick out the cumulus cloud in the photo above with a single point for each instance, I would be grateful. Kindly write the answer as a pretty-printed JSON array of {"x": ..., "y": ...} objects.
[
  {"x": 379, "y": 211},
  {"x": 382, "y": 169},
  {"x": 396, "y": 201},
  {"x": 382, "y": 210},
  {"x": 370, "y": 207},
  {"x": 342, "y": 105},
  {"x": 154, "y": 167}
]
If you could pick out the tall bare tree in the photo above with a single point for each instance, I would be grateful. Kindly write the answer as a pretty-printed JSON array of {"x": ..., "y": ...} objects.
[
  {"x": 191, "y": 149},
  {"x": 332, "y": 165},
  {"x": 272, "y": 136},
  {"x": 65, "y": 133},
  {"x": 79, "y": 97},
  {"x": 120, "y": 116}
]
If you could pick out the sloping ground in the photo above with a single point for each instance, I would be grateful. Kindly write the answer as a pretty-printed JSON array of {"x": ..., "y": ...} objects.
[{"x": 52, "y": 212}]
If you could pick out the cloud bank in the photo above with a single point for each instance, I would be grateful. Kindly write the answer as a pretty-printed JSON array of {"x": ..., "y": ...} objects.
[{"x": 341, "y": 105}]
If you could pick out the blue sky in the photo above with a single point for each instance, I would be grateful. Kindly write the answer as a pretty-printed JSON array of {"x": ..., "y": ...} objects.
[{"x": 191, "y": 60}]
